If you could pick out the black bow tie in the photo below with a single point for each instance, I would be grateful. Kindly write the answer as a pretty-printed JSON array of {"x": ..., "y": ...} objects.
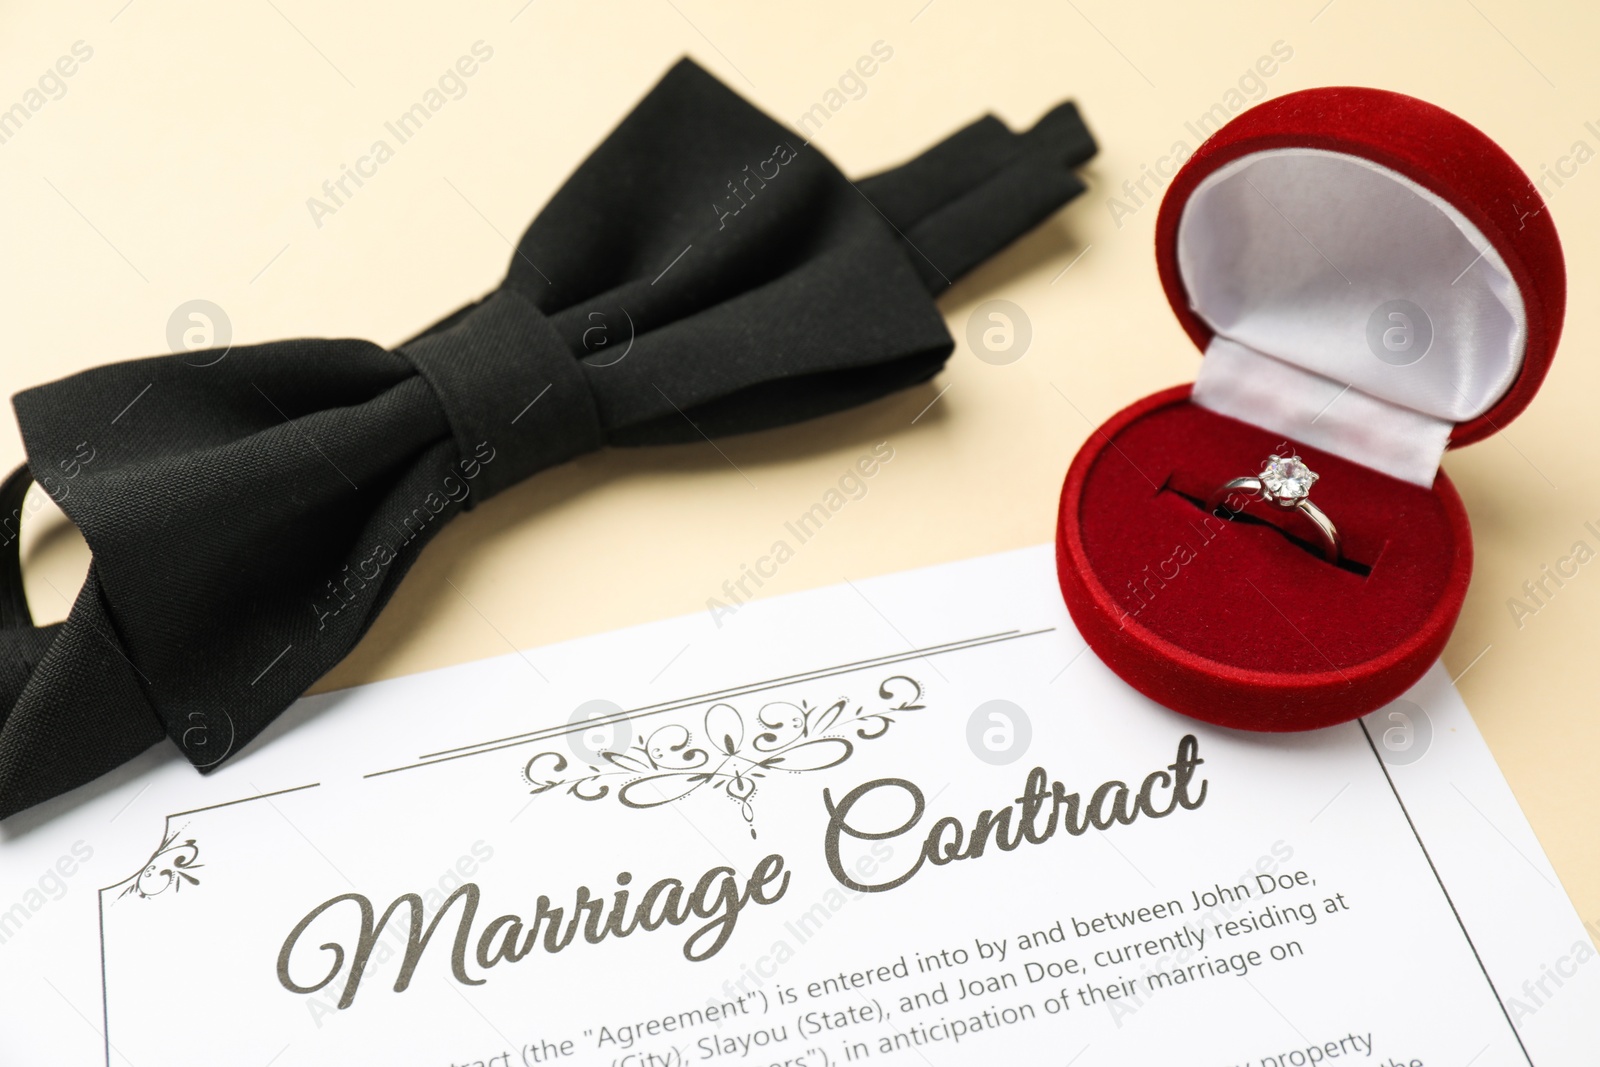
[{"x": 704, "y": 272}]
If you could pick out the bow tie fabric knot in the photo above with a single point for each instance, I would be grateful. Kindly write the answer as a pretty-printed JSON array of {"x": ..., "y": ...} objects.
[
  {"x": 703, "y": 272},
  {"x": 508, "y": 383}
]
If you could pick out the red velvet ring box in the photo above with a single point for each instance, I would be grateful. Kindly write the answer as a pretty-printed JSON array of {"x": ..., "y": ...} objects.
[{"x": 1372, "y": 281}]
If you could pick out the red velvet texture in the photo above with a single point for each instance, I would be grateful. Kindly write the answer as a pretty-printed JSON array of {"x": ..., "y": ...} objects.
[
  {"x": 1440, "y": 152},
  {"x": 1242, "y": 623}
]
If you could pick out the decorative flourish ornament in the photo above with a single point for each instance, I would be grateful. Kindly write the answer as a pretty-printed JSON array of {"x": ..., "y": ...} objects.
[
  {"x": 730, "y": 753},
  {"x": 169, "y": 867}
]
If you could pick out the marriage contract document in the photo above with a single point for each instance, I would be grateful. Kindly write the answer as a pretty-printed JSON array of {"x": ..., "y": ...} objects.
[{"x": 904, "y": 820}]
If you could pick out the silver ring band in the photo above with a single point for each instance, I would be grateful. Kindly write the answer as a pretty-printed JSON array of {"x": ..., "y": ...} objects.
[{"x": 1285, "y": 483}]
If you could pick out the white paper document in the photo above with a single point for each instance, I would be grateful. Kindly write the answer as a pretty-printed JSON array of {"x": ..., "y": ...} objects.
[{"x": 902, "y": 820}]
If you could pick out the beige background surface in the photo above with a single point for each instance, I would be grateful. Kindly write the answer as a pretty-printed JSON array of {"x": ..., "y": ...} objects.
[{"x": 178, "y": 162}]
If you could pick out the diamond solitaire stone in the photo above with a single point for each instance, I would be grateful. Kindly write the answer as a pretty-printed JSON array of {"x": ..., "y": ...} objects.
[
  {"x": 1284, "y": 483},
  {"x": 1287, "y": 480}
]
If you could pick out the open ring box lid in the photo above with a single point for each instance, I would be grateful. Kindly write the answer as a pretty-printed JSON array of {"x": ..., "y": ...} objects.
[{"x": 1372, "y": 281}]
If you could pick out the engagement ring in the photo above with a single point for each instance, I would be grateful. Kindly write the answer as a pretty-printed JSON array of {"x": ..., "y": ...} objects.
[{"x": 1285, "y": 482}]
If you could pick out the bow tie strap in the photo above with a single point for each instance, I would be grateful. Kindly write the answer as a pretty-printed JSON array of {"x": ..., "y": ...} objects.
[
  {"x": 969, "y": 196},
  {"x": 251, "y": 511}
]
